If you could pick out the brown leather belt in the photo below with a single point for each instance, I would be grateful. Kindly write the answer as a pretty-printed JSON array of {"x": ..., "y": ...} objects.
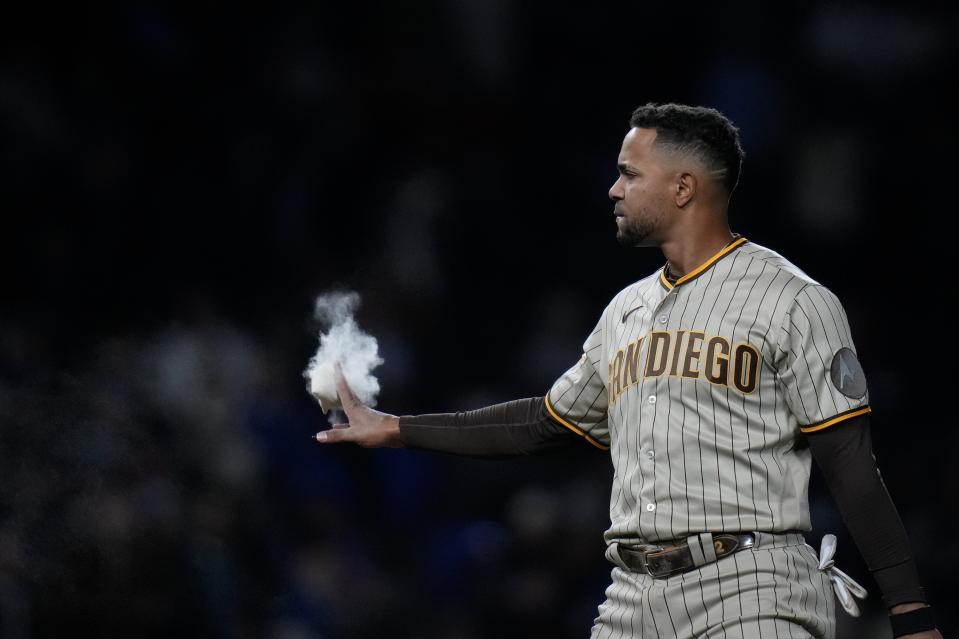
[{"x": 682, "y": 555}]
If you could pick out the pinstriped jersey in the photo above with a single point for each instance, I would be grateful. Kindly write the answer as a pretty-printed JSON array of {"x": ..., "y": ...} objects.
[{"x": 701, "y": 390}]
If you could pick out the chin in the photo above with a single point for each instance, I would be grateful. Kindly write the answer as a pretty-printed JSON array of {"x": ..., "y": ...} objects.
[
  {"x": 633, "y": 234},
  {"x": 627, "y": 240}
]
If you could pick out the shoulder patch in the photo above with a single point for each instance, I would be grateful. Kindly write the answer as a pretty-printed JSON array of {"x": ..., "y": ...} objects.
[{"x": 847, "y": 374}]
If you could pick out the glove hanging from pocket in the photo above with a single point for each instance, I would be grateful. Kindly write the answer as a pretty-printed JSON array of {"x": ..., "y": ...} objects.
[{"x": 845, "y": 586}]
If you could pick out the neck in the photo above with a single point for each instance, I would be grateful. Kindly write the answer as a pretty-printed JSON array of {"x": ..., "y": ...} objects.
[{"x": 685, "y": 253}]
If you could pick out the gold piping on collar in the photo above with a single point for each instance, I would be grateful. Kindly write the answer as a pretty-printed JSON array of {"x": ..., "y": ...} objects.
[{"x": 702, "y": 267}]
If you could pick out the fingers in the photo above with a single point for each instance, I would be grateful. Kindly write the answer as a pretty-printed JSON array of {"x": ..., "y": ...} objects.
[
  {"x": 341, "y": 432},
  {"x": 347, "y": 398}
]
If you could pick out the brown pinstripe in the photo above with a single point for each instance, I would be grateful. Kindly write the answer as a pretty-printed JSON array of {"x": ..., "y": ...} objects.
[{"x": 692, "y": 456}]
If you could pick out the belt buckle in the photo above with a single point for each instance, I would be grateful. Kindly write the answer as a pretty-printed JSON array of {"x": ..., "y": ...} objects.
[
  {"x": 659, "y": 574},
  {"x": 639, "y": 551},
  {"x": 645, "y": 549},
  {"x": 666, "y": 569}
]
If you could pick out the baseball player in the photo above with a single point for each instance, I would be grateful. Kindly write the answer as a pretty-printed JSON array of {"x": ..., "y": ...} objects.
[{"x": 713, "y": 383}]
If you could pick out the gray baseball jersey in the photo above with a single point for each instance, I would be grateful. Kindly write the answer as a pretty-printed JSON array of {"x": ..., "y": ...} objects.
[{"x": 700, "y": 390}]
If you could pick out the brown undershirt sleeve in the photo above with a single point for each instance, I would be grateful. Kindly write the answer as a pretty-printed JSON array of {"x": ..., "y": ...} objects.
[
  {"x": 510, "y": 429},
  {"x": 844, "y": 455}
]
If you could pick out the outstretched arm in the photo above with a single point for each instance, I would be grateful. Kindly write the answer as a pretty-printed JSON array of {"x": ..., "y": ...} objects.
[{"x": 518, "y": 427}]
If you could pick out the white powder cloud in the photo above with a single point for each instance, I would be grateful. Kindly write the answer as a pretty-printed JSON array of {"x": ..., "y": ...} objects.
[{"x": 342, "y": 340}]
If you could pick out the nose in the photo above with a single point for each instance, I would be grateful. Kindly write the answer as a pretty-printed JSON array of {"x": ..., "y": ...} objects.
[{"x": 616, "y": 190}]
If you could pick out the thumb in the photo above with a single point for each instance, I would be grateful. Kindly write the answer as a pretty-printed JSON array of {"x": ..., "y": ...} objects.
[{"x": 334, "y": 435}]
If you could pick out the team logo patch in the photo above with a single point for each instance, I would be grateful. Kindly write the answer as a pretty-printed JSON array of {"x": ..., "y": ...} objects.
[{"x": 847, "y": 374}]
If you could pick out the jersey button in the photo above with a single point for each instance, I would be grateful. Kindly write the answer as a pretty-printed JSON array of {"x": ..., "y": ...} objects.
[
  {"x": 662, "y": 319},
  {"x": 650, "y": 454},
  {"x": 652, "y": 399},
  {"x": 650, "y": 507}
]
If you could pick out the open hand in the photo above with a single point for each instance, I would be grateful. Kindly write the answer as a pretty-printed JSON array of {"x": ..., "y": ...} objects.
[{"x": 367, "y": 427}]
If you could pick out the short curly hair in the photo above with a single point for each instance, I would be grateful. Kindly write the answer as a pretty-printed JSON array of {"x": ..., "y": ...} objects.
[{"x": 700, "y": 131}]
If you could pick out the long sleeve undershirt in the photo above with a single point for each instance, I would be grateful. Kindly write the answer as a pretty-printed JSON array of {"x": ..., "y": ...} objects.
[
  {"x": 842, "y": 452},
  {"x": 510, "y": 429},
  {"x": 844, "y": 455}
]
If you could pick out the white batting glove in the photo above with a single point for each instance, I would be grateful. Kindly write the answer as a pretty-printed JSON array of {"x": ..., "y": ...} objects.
[{"x": 844, "y": 585}]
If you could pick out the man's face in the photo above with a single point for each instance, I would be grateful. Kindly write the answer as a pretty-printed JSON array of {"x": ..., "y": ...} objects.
[{"x": 641, "y": 193}]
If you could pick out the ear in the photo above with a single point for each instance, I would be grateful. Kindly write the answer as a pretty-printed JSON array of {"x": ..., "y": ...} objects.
[{"x": 684, "y": 189}]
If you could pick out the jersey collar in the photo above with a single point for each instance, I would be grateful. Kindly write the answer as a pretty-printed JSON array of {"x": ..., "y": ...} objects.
[{"x": 736, "y": 242}]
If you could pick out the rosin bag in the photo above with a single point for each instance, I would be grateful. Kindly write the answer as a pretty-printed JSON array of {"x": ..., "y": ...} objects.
[
  {"x": 322, "y": 386},
  {"x": 342, "y": 341}
]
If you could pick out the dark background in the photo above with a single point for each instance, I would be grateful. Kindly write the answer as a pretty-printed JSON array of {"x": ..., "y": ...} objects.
[{"x": 177, "y": 184}]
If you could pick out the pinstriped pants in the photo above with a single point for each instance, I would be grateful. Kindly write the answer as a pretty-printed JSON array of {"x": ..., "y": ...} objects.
[{"x": 774, "y": 590}]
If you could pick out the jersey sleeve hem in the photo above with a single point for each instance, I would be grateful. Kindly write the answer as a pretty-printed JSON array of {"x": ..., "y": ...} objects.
[
  {"x": 578, "y": 431},
  {"x": 832, "y": 421}
]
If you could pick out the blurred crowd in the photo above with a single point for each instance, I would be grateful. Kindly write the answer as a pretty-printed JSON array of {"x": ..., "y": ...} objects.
[{"x": 170, "y": 488}]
